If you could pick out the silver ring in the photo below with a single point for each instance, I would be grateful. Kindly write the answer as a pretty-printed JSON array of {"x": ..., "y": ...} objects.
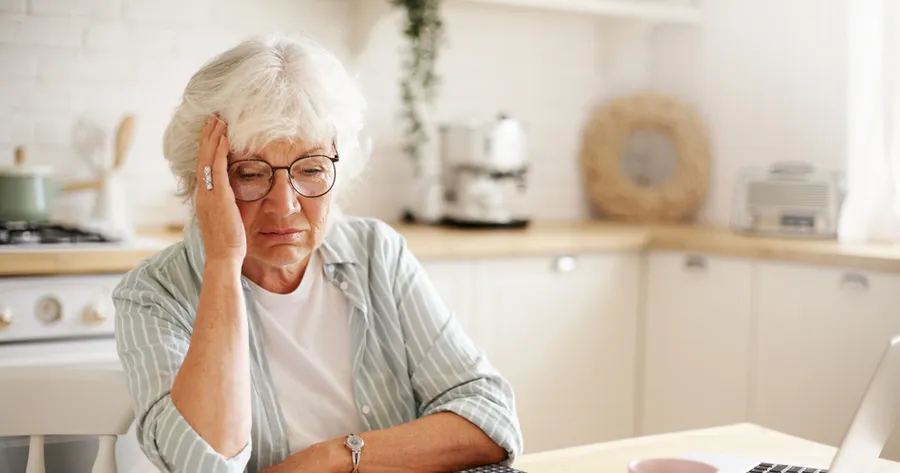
[{"x": 207, "y": 176}]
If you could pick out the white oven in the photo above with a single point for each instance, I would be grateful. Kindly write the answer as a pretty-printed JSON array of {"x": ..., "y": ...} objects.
[
  {"x": 65, "y": 320},
  {"x": 62, "y": 321}
]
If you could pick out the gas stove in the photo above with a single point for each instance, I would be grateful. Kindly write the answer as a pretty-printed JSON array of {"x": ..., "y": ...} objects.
[{"x": 31, "y": 233}]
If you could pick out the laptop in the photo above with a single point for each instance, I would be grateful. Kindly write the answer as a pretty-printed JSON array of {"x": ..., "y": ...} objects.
[{"x": 864, "y": 440}]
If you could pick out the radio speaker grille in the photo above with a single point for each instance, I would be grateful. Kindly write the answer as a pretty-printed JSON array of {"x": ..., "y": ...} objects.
[{"x": 788, "y": 194}]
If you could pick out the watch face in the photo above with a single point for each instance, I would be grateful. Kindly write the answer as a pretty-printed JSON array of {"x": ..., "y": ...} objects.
[{"x": 354, "y": 442}]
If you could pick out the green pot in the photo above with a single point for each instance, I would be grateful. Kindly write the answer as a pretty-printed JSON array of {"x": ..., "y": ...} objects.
[{"x": 27, "y": 193}]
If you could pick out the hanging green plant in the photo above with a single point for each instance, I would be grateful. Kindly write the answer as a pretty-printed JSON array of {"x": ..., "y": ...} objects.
[{"x": 424, "y": 32}]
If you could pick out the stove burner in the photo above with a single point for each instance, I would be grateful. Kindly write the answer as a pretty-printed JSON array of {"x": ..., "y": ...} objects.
[{"x": 22, "y": 233}]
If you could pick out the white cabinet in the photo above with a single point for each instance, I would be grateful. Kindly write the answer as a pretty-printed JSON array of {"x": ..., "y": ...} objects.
[
  {"x": 455, "y": 282},
  {"x": 696, "y": 343},
  {"x": 820, "y": 333},
  {"x": 610, "y": 345},
  {"x": 563, "y": 331}
]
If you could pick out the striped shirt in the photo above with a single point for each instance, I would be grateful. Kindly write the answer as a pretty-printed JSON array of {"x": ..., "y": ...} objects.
[{"x": 411, "y": 359}]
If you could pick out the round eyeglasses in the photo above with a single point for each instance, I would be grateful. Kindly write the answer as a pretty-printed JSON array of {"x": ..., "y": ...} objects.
[{"x": 311, "y": 176}]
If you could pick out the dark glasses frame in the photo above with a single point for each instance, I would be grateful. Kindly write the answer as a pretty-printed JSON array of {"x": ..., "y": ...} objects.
[{"x": 334, "y": 159}]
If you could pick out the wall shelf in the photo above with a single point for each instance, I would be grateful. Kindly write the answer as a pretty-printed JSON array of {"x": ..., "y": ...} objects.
[
  {"x": 665, "y": 11},
  {"x": 369, "y": 13}
]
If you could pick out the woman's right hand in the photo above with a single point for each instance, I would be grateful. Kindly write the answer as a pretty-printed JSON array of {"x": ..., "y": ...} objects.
[{"x": 220, "y": 221}]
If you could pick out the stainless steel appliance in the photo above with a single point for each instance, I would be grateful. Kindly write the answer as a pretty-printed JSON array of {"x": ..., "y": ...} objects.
[
  {"x": 485, "y": 174},
  {"x": 24, "y": 233},
  {"x": 787, "y": 199}
]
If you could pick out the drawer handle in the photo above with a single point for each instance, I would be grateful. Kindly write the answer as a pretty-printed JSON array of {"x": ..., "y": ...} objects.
[
  {"x": 565, "y": 264},
  {"x": 855, "y": 281},
  {"x": 695, "y": 264}
]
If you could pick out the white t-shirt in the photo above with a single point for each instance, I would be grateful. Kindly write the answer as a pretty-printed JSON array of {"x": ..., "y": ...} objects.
[{"x": 307, "y": 341}]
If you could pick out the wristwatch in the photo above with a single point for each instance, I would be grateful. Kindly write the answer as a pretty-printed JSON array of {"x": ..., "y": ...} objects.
[{"x": 355, "y": 444}]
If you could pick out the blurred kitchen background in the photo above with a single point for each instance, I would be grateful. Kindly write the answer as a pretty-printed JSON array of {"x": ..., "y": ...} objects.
[
  {"x": 768, "y": 78},
  {"x": 702, "y": 194}
]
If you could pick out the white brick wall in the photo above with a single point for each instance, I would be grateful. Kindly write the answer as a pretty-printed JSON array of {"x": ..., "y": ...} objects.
[
  {"x": 129, "y": 39},
  {"x": 64, "y": 32},
  {"x": 90, "y": 8},
  {"x": 62, "y": 60},
  {"x": 65, "y": 60},
  {"x": 12, "y": 6},
  {"x": 188, "y": 14},
  {"x": 769, "y": 77},
  {"x": 16, "y": 63}
]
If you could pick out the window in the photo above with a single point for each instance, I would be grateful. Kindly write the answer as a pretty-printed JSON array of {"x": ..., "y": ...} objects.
[{"x": 871, "y": 211}]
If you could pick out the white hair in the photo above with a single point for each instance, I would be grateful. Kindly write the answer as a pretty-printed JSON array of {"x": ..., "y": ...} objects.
[{"x": 266, "y": 89}]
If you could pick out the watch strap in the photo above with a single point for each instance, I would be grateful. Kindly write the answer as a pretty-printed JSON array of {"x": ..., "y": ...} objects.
[{"x": 356, "y": 457}]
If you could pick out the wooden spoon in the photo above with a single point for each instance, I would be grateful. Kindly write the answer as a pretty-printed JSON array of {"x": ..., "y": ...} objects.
[
  {"x": 20, "y": 156},
  {"x": 82, "y": 185},
  {"x": 124, "y": 136}
]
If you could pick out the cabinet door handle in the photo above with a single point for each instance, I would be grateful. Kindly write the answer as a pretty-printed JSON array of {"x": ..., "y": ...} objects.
[
  {"x": 695, "y": 264},
  {"x": 855, "y": 281},
  {"x": 565, "y": 264}
]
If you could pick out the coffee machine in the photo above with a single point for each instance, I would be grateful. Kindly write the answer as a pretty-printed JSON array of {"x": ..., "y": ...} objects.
[{"x": 485, "y": 174}]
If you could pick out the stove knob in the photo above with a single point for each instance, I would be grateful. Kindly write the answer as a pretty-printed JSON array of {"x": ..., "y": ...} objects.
[
  {"x": 49, "y": 310},
  {"x": 94, "y": 314},
  {"x": 6, "y": 317}
]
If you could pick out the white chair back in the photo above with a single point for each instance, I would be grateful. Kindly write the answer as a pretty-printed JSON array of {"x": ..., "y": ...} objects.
[{"x": 65, "y": 400}]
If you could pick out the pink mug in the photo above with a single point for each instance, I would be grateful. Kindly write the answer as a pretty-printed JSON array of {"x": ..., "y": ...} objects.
[{"x": 670, "y": 465}]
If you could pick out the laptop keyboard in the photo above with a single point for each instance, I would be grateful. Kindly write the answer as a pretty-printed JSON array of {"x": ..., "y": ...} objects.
[
  {"x": 491, "y": 469},
  {"x": 773, "y": 468}
]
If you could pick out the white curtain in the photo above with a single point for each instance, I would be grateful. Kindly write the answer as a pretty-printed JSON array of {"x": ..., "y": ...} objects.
[{"x": 871, "y": 211}]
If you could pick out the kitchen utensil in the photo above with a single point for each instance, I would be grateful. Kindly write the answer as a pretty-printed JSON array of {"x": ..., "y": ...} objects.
[
  {"x": 122, "y": 144},
  {"x": 110, "y": 213},
  {"x": 27, "y": 192},
  {"x": 124, "y": 137},
  {"x": 89, "y": 139},
  {"x": 485, "y": 170}
]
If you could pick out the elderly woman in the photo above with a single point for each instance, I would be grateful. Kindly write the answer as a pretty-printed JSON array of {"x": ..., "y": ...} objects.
[{"x": 280, "y": 336}]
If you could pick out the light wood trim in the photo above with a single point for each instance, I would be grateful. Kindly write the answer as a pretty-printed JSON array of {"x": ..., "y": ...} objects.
[
  {"x": 877, "y": 257},
  {"x": 70, "y": 262}
]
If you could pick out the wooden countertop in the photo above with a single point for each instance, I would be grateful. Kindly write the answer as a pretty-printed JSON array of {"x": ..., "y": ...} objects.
[
  {"x": 744, "y": 440},
  {"x": 540, "y": 239}
]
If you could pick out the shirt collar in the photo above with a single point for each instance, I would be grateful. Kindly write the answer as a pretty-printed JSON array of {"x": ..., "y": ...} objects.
[
  {"x": 336, "y": 252},
  {"x": 333, "y": 252}
]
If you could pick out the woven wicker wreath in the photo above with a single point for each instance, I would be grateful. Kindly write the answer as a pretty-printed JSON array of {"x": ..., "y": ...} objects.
[{"x": 613, "y": 193}]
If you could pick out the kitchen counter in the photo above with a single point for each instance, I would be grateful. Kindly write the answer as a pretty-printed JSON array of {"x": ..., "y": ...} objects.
[
  {"x": 745, "y": 440},
  {"x": 550, "y": 238},
  {"x": 541, "y": 238}
]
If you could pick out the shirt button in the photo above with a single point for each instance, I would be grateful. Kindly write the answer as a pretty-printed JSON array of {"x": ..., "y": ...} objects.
[
  {"x": 366, "y": 410},
  {"x": 344, "y": 286}
]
